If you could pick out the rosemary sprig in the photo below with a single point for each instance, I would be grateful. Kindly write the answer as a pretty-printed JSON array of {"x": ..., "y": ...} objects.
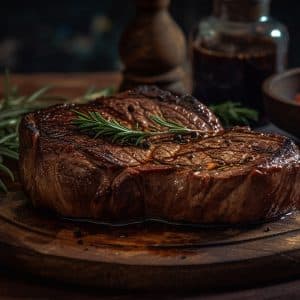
[
  {"x": 233, "y": 113},
  {"x": 94, "y": 123}
]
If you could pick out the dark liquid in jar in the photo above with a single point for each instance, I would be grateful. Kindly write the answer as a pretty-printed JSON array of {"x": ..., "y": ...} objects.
[{"x": 234, "y": 70}]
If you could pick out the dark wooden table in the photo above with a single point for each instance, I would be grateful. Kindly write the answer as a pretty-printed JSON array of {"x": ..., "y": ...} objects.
[{"x": 16, "y": 286}]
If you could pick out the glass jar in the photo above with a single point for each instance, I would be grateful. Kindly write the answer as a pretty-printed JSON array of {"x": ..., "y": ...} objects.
[{"x": 235, "y": 49}]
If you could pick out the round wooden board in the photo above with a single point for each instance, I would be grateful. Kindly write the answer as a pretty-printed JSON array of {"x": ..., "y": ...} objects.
[{"x": 146, "y": 256}]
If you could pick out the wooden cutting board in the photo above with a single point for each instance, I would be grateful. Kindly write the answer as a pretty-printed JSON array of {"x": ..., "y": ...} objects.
[{"x": 148, "y": 256}]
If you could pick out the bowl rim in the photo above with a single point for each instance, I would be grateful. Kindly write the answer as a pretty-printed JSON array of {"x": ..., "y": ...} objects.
[{"x": 269, "y": 82}]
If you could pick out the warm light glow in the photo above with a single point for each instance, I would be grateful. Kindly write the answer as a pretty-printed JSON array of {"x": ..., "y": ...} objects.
[
  {"x": 263, "y": 19},
  {"x": 275, "y": 33}
]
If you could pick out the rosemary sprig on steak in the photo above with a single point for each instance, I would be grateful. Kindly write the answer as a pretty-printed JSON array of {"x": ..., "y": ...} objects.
[{"x": 94, "y": 123}]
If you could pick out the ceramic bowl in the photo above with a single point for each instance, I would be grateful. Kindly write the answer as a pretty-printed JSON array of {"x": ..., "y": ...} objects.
[{"x": 280, "y": 92}]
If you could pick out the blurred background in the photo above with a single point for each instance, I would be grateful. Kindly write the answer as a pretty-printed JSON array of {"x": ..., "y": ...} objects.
[{"x": 82, "y": 36}]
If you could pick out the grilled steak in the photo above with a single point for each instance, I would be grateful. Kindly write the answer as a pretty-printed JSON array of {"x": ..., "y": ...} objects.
[{"x": 221, "y": 176}]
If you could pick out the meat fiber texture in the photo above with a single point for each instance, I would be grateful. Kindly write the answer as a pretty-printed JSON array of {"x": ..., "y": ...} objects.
[{"x": 218, "y": 177}]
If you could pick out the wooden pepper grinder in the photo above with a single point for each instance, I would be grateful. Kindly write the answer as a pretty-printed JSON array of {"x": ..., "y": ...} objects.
[{"x": 153, "y": 49}]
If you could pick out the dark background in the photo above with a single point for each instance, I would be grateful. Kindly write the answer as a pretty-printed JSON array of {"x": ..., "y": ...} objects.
[{"x": 80, "y": 36}]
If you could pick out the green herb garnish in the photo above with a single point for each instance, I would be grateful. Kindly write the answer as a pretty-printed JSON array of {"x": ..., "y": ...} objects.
[
  {"x": 232, "y": 113},
  {"x": 95, "y": 124},
  {"x": 13, "y": 106}
]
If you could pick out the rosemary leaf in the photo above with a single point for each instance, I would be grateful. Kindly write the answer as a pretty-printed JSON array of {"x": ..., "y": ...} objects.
[
  {"x": 168, "y": 124},
  {"x": 14, "y": 146},
  {"x": 94, "y": 94},
  {"x": 7, "y": 171},
  {"x": 173, "y": 127},
  {"x": 8, "y": 123},
  {"x": 12, "y": 113},
  {"x": 3, "y": 186},
  {"x": 8, "y": 137},
  {"x": 232, "y": 113},
  {"x": 37, "y": 95},
  {"x": 9, "y": 153},
  {"x": 17, "y": 101}
]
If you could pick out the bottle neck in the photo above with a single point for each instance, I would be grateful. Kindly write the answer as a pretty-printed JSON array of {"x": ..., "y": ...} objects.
[{"x": 242, "y": 10}]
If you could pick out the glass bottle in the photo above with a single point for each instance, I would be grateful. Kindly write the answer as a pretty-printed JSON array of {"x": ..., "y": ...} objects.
[{"x": 235, "y": 49}]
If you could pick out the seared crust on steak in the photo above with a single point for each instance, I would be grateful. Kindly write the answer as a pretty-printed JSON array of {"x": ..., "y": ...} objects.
[{"x": 222, "y": 176}]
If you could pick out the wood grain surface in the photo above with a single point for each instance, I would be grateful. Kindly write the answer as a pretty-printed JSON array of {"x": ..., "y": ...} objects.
[
  {"x": 64, "y": 84},
  {"x": 149, "y": 256},
  {"x": 14, "y": 286}
]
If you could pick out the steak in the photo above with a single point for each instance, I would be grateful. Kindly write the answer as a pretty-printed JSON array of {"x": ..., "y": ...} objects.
[{"x": 220, "y": 176}]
